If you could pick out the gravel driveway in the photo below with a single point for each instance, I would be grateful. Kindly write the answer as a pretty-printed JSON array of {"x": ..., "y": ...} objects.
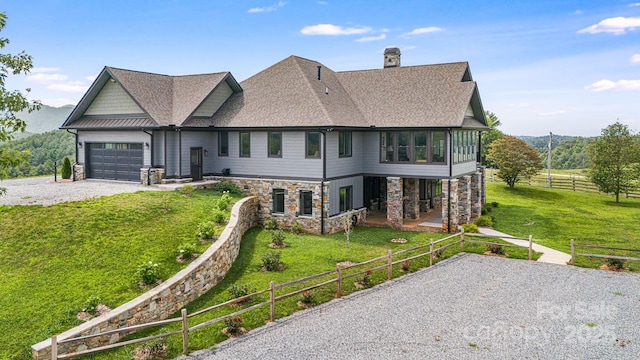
[
  {"x": 44, "y": 191},
  {"x": 468, "y": 307}
]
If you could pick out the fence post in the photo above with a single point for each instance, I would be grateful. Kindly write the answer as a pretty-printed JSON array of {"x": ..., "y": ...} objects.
[
  {"x": 54, "y": 347},
  {"x": 185, "y": 333},
  {"x": 272, "y": 297},
  {"x": 573, "y": 254},
  {"x": 390, "y": 265},
  {"x": 530, "y": 247},
  {"x": 573, "y": 181},
  {"x": 430, "y": 252},
  {"x": 462, "y": 240},
  {"x": 339, "y": 282}
]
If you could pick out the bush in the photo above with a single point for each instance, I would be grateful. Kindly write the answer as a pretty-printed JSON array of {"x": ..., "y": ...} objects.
[
  {"x": 277, "y": 237},
  {"x": 187, "y": 250},
  {"x": 297, "y": 229},
  {"x": 495, "y": 249},
  {"x": 219, "y": 216},
  {"x": 186, "y": 190},
  {"x": 233, "y": 325},
  {"x": 470, "y": 228},
  {"x": 148, "y": 273},
  {"x": 91, "y": 305},
  {"x": 240, "y": 290},
  {"x": 271, "y": 261},
  {"x": 224, "y": 186},
  {"x": 66, "y": 168},
  {"x": 494, "y": 204},
  {"x": 152, "y": 349},
  {"x": 486, "y": 210},
  {"x": 223, "y": 202},
  {"x": 271, "y": 224},
  {"x": 614, "y": 264},
  {"x": 484, "y": 221},
  {"x": 206, "y": 230},
  {"x": 406, "y": 266},
  {"x": 309, "y": 298}
]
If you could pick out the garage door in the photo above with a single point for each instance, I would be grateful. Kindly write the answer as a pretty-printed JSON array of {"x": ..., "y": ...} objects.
[{"x": 115, "y": 161}]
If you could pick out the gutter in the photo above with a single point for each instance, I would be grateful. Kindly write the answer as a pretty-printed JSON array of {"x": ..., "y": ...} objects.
[
  {"x": 449, "y": 182},
  {"x": 75, "y": 144},
  {"x": 324, "y": 178},
  {"x": 151, "y": 156}
]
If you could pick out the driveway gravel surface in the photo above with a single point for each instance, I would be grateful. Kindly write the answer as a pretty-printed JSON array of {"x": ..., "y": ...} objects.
[
  {"x": 467, "y": 307},
  {"x": 44, "y": 191}
]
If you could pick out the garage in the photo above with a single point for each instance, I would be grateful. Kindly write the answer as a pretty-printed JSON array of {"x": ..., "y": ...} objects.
[{"x": 114, "y": 161}]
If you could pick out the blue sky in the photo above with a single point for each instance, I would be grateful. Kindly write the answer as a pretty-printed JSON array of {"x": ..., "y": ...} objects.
[{"x": 570, "y": 67}]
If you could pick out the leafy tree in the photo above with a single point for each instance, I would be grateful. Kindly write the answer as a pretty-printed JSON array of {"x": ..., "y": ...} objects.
[
  {"x": 45, "y": 149},
  {"x": 66, "y": 168},
  {"x": 12, "y": 102},
  {"x": 514, "y": 159},
  {"x": 615, "y": 160},
  {"x": 490, "y": 136}
]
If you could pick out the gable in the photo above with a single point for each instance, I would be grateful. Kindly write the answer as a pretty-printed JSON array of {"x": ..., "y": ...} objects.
[
  {"x": 113, "y": 100},
  {"x": 214, "y": 101},
  {"x": 469, "y": 111}
]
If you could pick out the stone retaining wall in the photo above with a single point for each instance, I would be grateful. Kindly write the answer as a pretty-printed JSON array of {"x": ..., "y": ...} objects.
[{"x": 170, "y": 296}]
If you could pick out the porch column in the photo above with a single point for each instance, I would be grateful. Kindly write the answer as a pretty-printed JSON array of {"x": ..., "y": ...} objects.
[
  {"x": 394, "y": 201},
  {"x": 464, "y": 199},
  {"x": 450, "y": 205},
  {"x": 411, "y": 198},
  {"x": 476, "y": 195}
]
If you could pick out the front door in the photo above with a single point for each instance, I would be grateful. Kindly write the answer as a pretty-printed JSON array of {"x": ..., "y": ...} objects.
[{"x": 196, "y": 163}]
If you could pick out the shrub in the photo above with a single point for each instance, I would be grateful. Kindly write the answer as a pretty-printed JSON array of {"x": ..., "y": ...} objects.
[
  {"x": 233, "y": 325},
  {"x": 271, "y": 261},
  {"x": 223, "y": 202},
  {"x": 470, "y": 228},
  {"x": 486, "y": 209},
  {"x": 484, "y": 221},
  {"x": 219, "y": 216},
  {"x": 186, "y": 190},
  {"x": 153, "y": 349},
  {"x": 614, "y": 264},
  {"x": 296, "y": 228},
  {"x": 224, "y": 186},
  {"x": 483, "y": 212},
  {"x": 277, "y": 237},
  {"x": 187, "y": 250},
  {"x": 240, "y": 290},
  {"x": 437, "y": 253},
  {"x": 495, "y": 249},
  {"x": 309, "y": 298},
  {"x": 206, "y": 230},
  {"x": 406, "y": 266},
  {"x": 66, "y": 168},
  {"x": 91, "y": 305},
  {"x": 494, "y": 204},
  {"x": 271, "y": 224},
  {"x": 366, "y": 278},
  {"x": 148, "y": 273}
]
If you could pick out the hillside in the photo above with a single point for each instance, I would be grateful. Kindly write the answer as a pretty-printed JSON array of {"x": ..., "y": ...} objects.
[
  {"x": 48, "y": 118},
  {"x": 568, "y": 152},
  {"x": 45, "y": 149}
]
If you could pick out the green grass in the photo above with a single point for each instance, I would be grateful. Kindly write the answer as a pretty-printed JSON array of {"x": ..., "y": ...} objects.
[
  {"x": 554, "y": 217},
  {"x": 52, "y": 259}
]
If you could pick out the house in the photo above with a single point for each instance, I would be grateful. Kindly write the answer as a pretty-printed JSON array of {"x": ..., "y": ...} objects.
[{"x": 310, "y": 142}]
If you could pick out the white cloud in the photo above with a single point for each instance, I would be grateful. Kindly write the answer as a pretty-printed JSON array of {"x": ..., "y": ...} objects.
[
  {"x": 372, "y": 38},
  {"x": 616, "y": 26},
  {"x": 410, "y": 47},
  {"x": 267, "y": 8},
  {"x": 329, "y": 29},
  {"x": 424, "y": 30},
  {"x": 634, "y": 4},
  {"x": 46, "y": 78},
  {"x": 519, "y": 105},
  {"x": 635, "y": 59},
  {"x": 91, "y": 77},
  {"x": 577, "y": 12},
  {"x": 605, "y": 85},
  {"x": 58, "y": 102},
  {"x": 552, "y": 113},
  {"x": 44, "y": 69},
  {"x": 72, "y": 86}
]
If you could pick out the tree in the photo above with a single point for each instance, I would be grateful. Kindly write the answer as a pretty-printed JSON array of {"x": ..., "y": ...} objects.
[
  {"x": 615, "y": 160},
  {"x": 490, "y": 136},
  {"x": 12, "y": 102},
  {"x": 66, "y": 168},
  {"x": 514, "y": 159}
]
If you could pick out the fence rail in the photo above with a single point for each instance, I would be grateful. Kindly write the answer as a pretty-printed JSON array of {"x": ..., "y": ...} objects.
[
  {"x": 602, "y": 256},
  {"x": 337, "y": 275}
]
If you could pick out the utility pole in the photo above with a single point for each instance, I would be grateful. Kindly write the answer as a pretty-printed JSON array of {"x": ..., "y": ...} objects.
[{"x": 549, "y": 159}]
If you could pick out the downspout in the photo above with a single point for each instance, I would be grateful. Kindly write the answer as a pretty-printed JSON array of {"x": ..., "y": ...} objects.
[
  {"x": 75, "y": 144},
  {"x": 165, "y": 154},
  {"x": 151, "y": 155},
  {"x": 180, "y": 153},
  {"x": 449, "y": 182},
  {"x": 324, "y": 178}
]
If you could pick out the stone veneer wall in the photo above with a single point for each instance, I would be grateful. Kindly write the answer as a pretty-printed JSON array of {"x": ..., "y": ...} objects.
[
  {"x": 78, "y": 172},
  {"x": 170, "y": 296},
  {"x": 468, "y": 194},
  {"x": 453, "y": 197},
  {"x": 335, "y": 223},
  {"x": 153, "y": 175},
  {"x": 411, "y": 198}
]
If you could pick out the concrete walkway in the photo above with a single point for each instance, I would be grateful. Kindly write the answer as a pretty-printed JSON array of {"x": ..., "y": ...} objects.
[{"x": 549, "y": 255}]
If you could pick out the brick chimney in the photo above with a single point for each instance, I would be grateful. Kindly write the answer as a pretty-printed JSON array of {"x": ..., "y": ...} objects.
[{"x": 391, "y": 57}]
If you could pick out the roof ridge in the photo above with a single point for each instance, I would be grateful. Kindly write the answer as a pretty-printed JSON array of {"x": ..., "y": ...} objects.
[
  {"x": 403, "y": 67},
  {"x": 166, "y": 75}
]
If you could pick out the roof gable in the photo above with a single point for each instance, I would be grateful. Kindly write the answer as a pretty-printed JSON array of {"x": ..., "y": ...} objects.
[{"x": 113, "y": 99}]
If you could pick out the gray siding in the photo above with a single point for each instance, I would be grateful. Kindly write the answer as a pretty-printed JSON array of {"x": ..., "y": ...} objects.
[
  {"x": 373, "y": 166},
  {"x": 214, "y": 101},
  {"x": 337, "y": 166},
  {"x": 464, "y": 168},
  {"x": 196, "y": 139},
  {"x": 158, "y": 148},
  {"x": 292, "y": 164},
  {"x": 111, "y": 100},
  {"x": 334, "y": 193},
  {"x": 113, "y": 136},
  {"x": 172, "y": 153}
]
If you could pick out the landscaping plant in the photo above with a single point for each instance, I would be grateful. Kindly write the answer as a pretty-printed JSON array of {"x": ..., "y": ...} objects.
[
  {"x": 233, "y": 325},
  {"x": 271, "y": 261},
  {"x": 277, "y": 238},
  {"x": 186, "y": 190},
  {"x": 206, "y": 230},
  {"x": 271, "y": 224},
  {"x": 219, "y": 216},
  {"x": 240, "y": 290},
  {"x": 614, "y": 264},
  {"x": 309, "y": 298},
  {"x": 495, "y": 249},
  {"x": 187, "y": 250},
  {"x": 296, "y": 228},
  {"x": 148, "y": 273},
  {"x": 66, "y": 168}
]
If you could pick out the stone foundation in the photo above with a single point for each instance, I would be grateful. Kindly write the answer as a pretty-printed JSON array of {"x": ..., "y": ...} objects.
[
  {"x": 335, "y": 223},
  {"x": 170, "y": 296},
  {"x": 411, "y": 197},
  {"x": 468, "y": 195},
  {"x": 151, "y": 176},
  {"x": 78, "y": 172},
  {"x": 450, "y": 218},
  {"x": 394, "y": 201}
]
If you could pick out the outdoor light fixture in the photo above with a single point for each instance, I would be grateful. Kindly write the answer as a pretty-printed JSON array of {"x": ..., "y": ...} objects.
[
  {"x": 80, "y": 145},
  {"x": 206, "y": 153},
  {"x": 146, "y": 145}
]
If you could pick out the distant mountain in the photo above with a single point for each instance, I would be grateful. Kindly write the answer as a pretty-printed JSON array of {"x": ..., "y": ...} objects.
[
  {"x": 568, "y": 152},
  {"x": 46, "y": 119}
]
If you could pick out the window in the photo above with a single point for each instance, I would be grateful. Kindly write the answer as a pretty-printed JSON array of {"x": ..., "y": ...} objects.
[
  {"x": 386, "y": 146},
  {"x": 278, "y": 201},
  {"x": 306, "y": 203},
  {"x": 245, "y": 144},
  {"x": 344, "y": 144},
  {"x": 404, "y": 138},
  {"x": 465, "y": 146},
  {"x": 223, "y": 143},
  {"x": 437, "y": 146},
  {"x": 313, "y": 144},
  {"x": 420, "y": 146},
  {"x": 275, "y": 144},
  {"x": 346, "y": 198}
]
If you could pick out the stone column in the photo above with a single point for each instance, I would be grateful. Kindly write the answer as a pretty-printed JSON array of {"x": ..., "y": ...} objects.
[
  {"x": 464, "y": 199},
  {"x": 394, "y": 201},
  {"x": 450, "y": 196},
  {"x": 476, "y": 195},
  {"x": 78, "y": 172},
  {"x": 151, "y": 176},
  {"x": 483, "y": 184},
  {"x": 411, "y": 198}
]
